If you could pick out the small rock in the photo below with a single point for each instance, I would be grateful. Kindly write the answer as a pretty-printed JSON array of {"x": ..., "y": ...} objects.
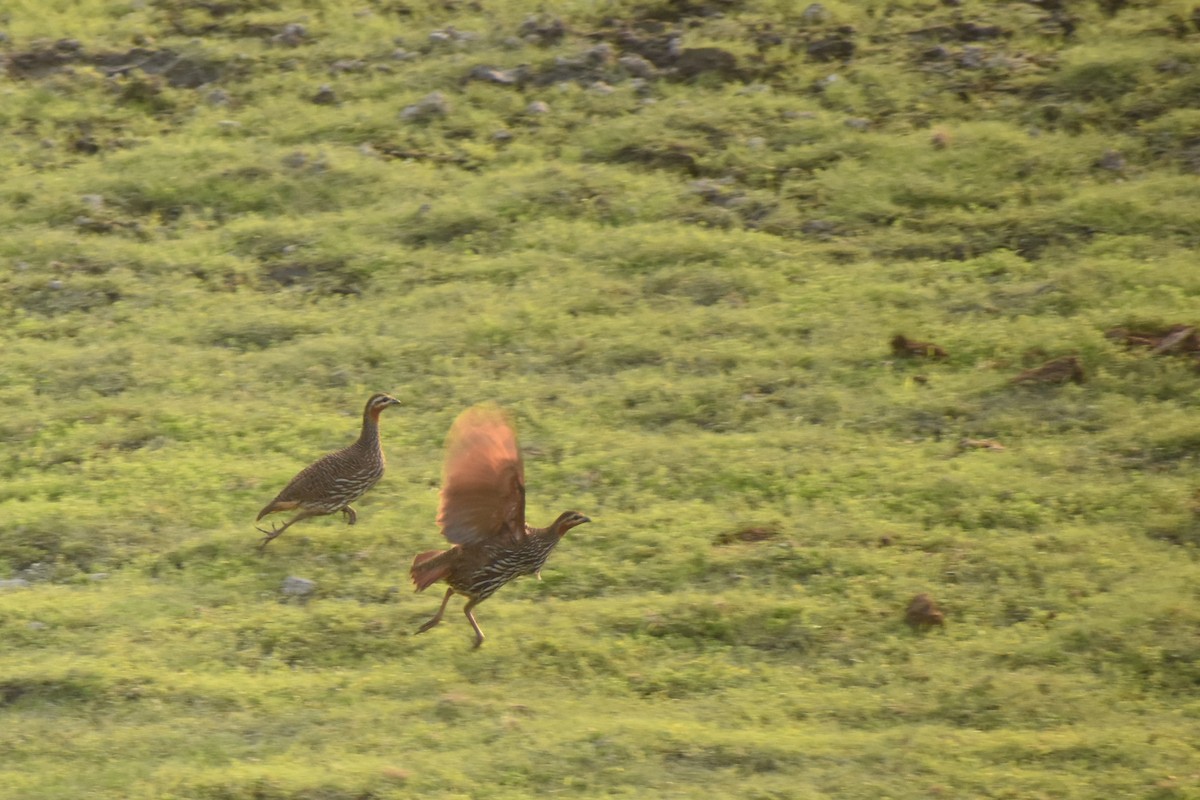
[
  {"x": 93, "y": 201},
  {"x": 1112, "y": 161},
  {"x": 538, "y": 107},
  {"x": 86, "y": 144},
  {"x": 858, "y": 123},
  {"x": 600, "y": 87},
  {"x": 292, "y": 35},
  {"x": 694, "y": 61},
  {"x": 903, "y": 347},
  {"x": 1058, "y": 370},
  {"x": 37, "y": 626},
  {"x": 451, "y": 35},
  {"x": 295, "y": 160},
  {"x": 923, "y": 613},
  {"x": 979, "y": 444},
  {"x": 637, "y": 66},
  {"x": 542, "y": 31},
  {"x": 325, "y": 96},
  {"x": 817, "y": 227},
  {"x": 14, "y": 583},
  {"x": 759, "y": 533},
  {"x": 217, "y": 97},
  {"x": 348, "y": 65},
  {"x": 502, "y": 136},
  {"x": 37, "y": 571},
  {"x": 93, "y": 225},
  {"x": 400, "y": 54},
  {"x": 600, "y": 55},
  {"x": 432, "y": 105},
  {"x": 971, "y": 58},
  {"x": 833, "y": 48},
  {"x": 492, "y": 75},
  {"x": 814, "y": 13},
  {"x": 98, "y": 576},
  {"x": 298, "y": 587}
]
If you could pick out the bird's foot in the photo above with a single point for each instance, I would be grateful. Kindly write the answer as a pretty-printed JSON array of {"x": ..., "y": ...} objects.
[
  {"x": 350, "y": 514},
  {"x": 538, "y": 574},
  {"x": 270, "y": 535},
  {"x": 429, "y": 624}
]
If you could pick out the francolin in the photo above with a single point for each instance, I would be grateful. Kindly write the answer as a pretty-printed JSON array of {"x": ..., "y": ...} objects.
[
  {"x": 334, "y": 481},
  {"x": 482, "y": 514}
]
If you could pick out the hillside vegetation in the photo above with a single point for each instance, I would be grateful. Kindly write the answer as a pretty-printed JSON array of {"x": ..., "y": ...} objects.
[{"x": 675, "y": 239}]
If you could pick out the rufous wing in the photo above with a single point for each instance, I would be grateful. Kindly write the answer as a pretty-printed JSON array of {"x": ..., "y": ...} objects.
[{"x": 483, "y": 479}]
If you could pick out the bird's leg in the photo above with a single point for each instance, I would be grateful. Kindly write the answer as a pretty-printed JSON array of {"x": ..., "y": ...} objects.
[
  {"x": 438, "y": 616},
  {"x": 471, "y": 619},
  {"x": 274, "y": 532},
  {"x": 350, "y": 515}
]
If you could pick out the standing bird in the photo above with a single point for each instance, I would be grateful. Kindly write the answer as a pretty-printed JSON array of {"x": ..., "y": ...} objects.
[
  {"x": 482, "y": 513},
  {"x": 333, "y": 482}
]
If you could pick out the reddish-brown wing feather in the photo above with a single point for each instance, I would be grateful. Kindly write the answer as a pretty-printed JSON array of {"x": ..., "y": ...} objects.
[{"x": 483, "y": 480}]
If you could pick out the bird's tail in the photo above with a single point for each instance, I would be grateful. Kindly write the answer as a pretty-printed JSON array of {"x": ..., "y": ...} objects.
[{"x": 430, "y": 567}]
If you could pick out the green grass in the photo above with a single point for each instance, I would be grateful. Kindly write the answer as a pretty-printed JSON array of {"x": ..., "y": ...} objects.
[{"x": 684, "y": 291}]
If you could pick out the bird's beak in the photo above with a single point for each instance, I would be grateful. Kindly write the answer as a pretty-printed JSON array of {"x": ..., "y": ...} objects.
[{"x": 585, "y": 519}]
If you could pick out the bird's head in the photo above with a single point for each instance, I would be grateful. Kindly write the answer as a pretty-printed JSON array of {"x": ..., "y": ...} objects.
[
  {"x": 568, "y": 520},
  {"x": 378, "y": 403}
]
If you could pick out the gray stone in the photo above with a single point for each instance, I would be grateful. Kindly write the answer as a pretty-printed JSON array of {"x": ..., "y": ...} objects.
[
  {"x": 325, "y": 96},
  {"x": 637, "y": 66},
  {"x": 431, "y": 105},
  {"x": 814, "y": 13},
  {"x": 298, "y": 587}
]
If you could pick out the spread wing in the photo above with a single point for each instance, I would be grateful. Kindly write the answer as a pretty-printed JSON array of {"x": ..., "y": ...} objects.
[{"x": 483, "y": 479}]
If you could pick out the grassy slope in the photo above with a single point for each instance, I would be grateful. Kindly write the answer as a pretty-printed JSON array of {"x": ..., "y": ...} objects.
[{"x": 684, "y": 291}]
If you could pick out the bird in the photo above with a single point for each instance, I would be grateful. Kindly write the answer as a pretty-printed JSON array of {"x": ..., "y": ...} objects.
[
  {"x": 482, "y": 514},
  {"x": 334, "y": 481}
]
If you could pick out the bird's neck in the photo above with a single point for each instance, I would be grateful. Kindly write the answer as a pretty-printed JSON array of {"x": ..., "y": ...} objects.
[
  {"x": 369, "y": 437},
  {"x": 554, "y": 532}
]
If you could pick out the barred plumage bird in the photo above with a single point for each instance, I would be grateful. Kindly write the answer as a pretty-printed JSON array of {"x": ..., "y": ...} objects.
[
  {"x": 482, "y": 513},
  {"x": 336, "y": 480}
]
